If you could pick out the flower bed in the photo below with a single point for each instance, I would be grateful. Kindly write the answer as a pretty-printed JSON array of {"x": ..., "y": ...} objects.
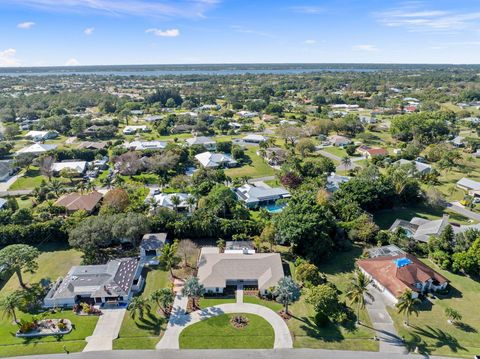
[
  {"x": 44, "y": 327},
  {"x": 86, "y": 309}
]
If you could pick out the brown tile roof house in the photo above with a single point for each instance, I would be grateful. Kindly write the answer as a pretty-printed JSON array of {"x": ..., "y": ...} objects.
[
  {"x": 372, "y": 152},
  {"x": 401, "y": 271},
  {"x": 89, "y": 145},
  {"x": 76, "y": 201}
]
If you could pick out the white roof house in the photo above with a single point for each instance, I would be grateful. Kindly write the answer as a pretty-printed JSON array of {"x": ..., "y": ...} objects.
[
  {"x": 214, "y": 160},
  {"x": 129, "y": 130},
  {"x": 247, "y": 114},
  {"x": 254, "y": 138},
  {"x": 145, "y": 145},
  {"x": 41, "y": 135},
  {"x": 334, "y": 181},
  {"x": 421, "y": 229},
  {"x": 77, "y": 166},
  {"x": 339, "y": 141},
  {"x": 422, "y": 168},
  {"x": 36, "y": 148},
  {"x": 206, "y": 142},
  {"x": 253, "y": 195},
  {"x": 165, "y": 200},
  {"x": 468, "y": 184}
]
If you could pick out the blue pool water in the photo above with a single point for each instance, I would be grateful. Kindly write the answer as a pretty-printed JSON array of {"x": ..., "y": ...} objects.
[{"x": 275, "y": 208}]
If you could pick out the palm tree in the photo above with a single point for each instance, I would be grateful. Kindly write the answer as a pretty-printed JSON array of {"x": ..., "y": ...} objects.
[
  {"x": 453, "y": 315},
  {"x": 163, "y": 298},
  {"x": 359, "y": 291},
  {"x": 191, "y": 202},
  {"x": 56, "y": 186},
  {"x": 176, "y": 201},
  {"x": 138, "y": 305},
  {"x": 193, "y": 289},
  {"x": 221, "y": 245},
  {"x": 406, "y": 304},
  {"x": 168, "y": 256},
  {"x": 81, "y": 187},
  {"x": 9, "y": 304},
  {"x": 286, "y": 292},
  {"x": 346, "y": 162}
]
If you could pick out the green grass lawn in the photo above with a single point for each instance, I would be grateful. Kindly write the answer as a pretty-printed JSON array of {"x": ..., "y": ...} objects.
[
  {"x": 210, "y": 302},
  {"x": 337, "y": 151},
  {"x": 258, "y": 167},
  {"x": 32, "y": 179},
  {"x": 276, "y": 307},
  {"x": 219, "y": 333},
  {"x": 144, "y": 333},
  {"x": 431, "y": 332},
  {"x": 54, "y": 261},
  {"x": 306, "y": 334}
]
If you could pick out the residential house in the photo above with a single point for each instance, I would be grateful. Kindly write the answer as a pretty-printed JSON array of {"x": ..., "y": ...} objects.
[
  {"x": 80, "y": 202},
  {"x": 367, "y": 120},
  {"x": 421, "y": 168},
  {"x": 256, "y": 195},
  {"x": 145, "y": 145},
  {"x": 252, "y": 138},
  {"x": 207, "y": 142},
  {"x": 215, "y": 160},
  {"x": 151, "y": 247},
  {"x": 3, "y": 202},
  {"x": 394, "y": 271},
  {"x": 90, "y": 145},
  {"x": 334, "y": 181},
  {"x": 216, "y": 271},
  {"x": 111, "y": 283},
  {"x": 458, "y": 141},
  {"x": 470, "y": 186},
  {"x": 153, "y": 118},
  {"x": 275, "y": 156},
  {"x": 39, "y": 136},
  {"x": 165, "y": 200},
  {"x": 131, "y": 130},
  {"x": 369, "y": 152},
  {"x": 339, "y": 141},
  {"x": 36, "y": 149},
  {"x": 239, "y": 247},
  {"x": 421, "y": 229},
  {"x": 76, "y": 166},
  {"x": 247, "y": 114}
]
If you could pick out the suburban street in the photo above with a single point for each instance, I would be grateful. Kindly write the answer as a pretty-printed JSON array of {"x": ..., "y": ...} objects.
[
  {"x": 232, "y": 354},
  {"x": 457, "y": 208}
]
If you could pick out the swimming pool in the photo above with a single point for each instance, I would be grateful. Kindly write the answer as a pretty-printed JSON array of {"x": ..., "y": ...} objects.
[{"x": 275, "y": 208}]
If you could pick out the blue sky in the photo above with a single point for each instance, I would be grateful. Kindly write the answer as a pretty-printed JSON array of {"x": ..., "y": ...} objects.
[{"x": 103, "y": 32}]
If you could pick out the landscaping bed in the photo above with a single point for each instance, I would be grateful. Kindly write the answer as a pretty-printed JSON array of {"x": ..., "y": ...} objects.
[{"x": 44, "y": 327}]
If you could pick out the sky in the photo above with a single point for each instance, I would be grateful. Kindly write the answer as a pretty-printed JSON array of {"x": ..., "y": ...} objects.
[{"x": 117, "y": 32}]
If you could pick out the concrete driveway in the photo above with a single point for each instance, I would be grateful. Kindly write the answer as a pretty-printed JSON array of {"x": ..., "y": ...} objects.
[
  {"x": 176, "y": 324},
  {"x": 107, "y": 329}
]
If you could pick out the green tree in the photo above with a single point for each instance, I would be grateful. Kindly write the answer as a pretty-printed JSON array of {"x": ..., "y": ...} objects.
[
  {"x": 453, "y": 315},
  {"x": 163, "y": 298},
  {"x": 325, "y": 301},
  {"x": 286, "y": 292},
  {"x": 18, "y": 258},
  {"x": 9, "y": 305},
  {"x": 168, "y": 256},
  {"x": 358, "y": 291},
  {"x": 138, "y": 306},
  {"x": 406, "y": 305},
  {"x": 346, "y": 162},
  {"x": 193, "y": 289},
  {"x": 308, "y": 273}
]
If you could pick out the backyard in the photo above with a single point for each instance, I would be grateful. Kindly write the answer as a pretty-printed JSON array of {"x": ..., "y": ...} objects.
[
  {"x": 431, "y": 332},
  {"x": 258, "y": 167}
]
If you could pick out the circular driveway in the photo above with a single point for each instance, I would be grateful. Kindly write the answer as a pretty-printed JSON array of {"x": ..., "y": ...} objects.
[{"x": 177, "y": 323}]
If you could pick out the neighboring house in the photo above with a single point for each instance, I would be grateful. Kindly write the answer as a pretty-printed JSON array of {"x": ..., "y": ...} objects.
[
  {"x": 369, "y": 152},
  {"x": 458, "y": 141},
  {"x": 112, "y": 283},
  {"x": 421, "y": 229},
  {"x": 394, "y": 271},
  {"x": 165, "y": 200},
  {"x": 339, "y": 141},
  {"x": 77, "y": 166},
  {"x": 275, "y": 156},
  {"x": 367, "y": 120},
  {"x": 76, "y": 201},
  {"x": 334, "y": 181},
  {"x": 41, "y": 135},
  {"x": 216, "y": 271},
  {"x": 3, "y": 202},
  {"x": 5, "y": 169},
  {"x": 422, "y": 168},
  {"x": 470, "y": 186},
  {"x": 472, "y": 120},
  {"x": 145, "y": 145},
  {"x": 215, "y": 160},
  {"x": 260, "y": 195},
  {"x": 151, "y": 246},
  {"x": 89, "y": 145},
  {"x": 239, "y": 247},
  {"x": 131, "y": 130},
  {"x": 136, "y": 112},
  {"x": 254, "y": 139},
  {"x": 207, "y": 142},
  {"x": 153, "y": 118},
  {"x": 247, "y": 114},
  {"x": 36, "y": 149}
]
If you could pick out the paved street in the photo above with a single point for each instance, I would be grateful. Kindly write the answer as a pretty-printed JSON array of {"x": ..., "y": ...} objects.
[
  {"x": 231, "y": 354},
  {"x": 106, "y": 330},
  {"x": 457, "y": 208},
  {"x": 337, "y": 159},
  {"x": 179, "y": 322}
]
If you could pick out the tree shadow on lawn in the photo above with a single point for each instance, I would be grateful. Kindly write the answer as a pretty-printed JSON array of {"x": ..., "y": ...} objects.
[
  {"x": 440, "y": 337},
  {"x": 329, "y": 333},
  {"x": 151, "y": 323},
  {"x": 452, "y": 293},
  {"x": 342, "y": 262},
  {"x": 465, "y": 327}
]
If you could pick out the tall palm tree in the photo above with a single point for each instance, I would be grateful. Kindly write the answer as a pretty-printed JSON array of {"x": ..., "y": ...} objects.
[
  {"x": 346, "y": 162},
  {"x": 168, "y": 256},
  {"x": 56, "y": 187},
  {"x": 138, "y": 305},
  {"x": 193, "y": 289},
  {"x": 9, "y": 304},
  {"x": 406, "y": 304},
  {"x": 163, "y": 298},
  {"x": 358, "y": 291},
  {"x": 176, "y": 201},
  {"x": 191, "y": 202}
]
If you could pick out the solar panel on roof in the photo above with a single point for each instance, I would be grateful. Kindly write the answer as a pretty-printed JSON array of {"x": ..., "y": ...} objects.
[{"x": 402, "y": 262}]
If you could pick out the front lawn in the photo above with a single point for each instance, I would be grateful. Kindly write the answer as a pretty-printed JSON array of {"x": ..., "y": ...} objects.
[
  {"x": 337, "y": 151},
  {"x": 219, "y": 333},
  {"x": 144, "y": 333},
  {"x": 431, "y": 332},
  {"x": 210, "y": 302},
  {"x": 258, "y": 167}
]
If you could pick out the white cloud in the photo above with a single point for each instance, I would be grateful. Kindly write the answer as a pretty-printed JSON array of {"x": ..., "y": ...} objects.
[
  {"x": 311, "y": 10},
  {"x": 89, "y": 31},
  {"x": 144, "y": 8},
  {"x": 26, "y": 25},
  {"x": 8, "y": 57},
  {"x": 164, "y": 33},
  {"x": 415, "y": 19},
  {"x": 72, "y": 62},
  {"x": 310, "y": 42},
  {"x": 366, "y": 47}
]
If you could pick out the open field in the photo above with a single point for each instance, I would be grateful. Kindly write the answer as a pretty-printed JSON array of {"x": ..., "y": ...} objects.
[
  {"x": 219, "y": 333},
  {"x": 258, "y": 167},
  {"x": 431, "y": 332}
]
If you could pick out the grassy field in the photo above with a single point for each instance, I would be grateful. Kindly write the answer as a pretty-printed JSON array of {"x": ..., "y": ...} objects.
[
  {"x": 54, "y": 261},
  {"x": 144, "y": 333},
  {"x": 258, "y": 167},
  {"x": 219, "y": 333},
  {"x": 32, "y": 179},
  {"x": 337, "y": 151},
  {"x": 306, "y": 334},
  {"x": 431, "y": 332}
]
